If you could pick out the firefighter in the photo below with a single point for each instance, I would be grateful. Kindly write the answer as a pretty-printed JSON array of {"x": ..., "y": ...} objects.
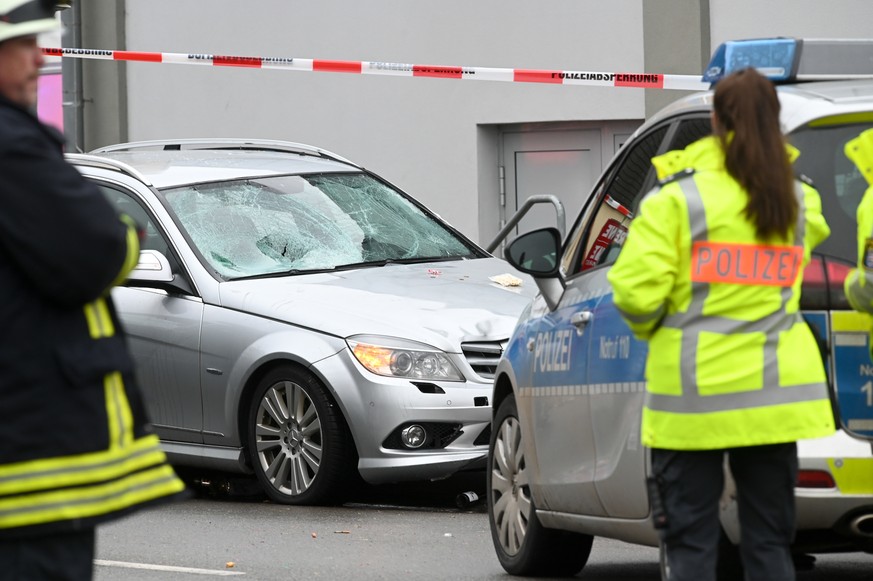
[
  {"x": 710, "y": 276},
  {"x": 75, "y": 448},
  {"x": 859, "y": 283}
]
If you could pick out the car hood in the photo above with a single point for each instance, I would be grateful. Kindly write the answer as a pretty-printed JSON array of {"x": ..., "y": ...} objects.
[{"x": 441, "y": 303}]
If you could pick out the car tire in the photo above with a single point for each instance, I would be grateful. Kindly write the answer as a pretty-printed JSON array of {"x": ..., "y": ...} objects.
[
  {"x": 524, "y": 547},
  {"x": 299, "y": 445}
]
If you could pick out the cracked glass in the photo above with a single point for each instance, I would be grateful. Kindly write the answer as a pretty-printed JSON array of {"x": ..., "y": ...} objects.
[{"x": 304, "y": 223}]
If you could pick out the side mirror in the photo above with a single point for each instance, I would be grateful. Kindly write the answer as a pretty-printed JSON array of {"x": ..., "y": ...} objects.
[
  {"x": 154, "y": 271},
  {"x": 536, "y": 252},
  {"x": 152, "y": 267}
]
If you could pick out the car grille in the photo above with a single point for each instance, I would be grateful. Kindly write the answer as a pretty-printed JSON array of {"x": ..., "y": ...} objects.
[{"x": 483, "y": 356}]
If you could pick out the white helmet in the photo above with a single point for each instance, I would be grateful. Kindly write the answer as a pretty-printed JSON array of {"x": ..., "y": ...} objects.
[{"x": 26, "y": 17}]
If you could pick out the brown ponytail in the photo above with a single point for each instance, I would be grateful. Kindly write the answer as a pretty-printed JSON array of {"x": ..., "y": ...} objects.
[{"x": 746, "y": 106}]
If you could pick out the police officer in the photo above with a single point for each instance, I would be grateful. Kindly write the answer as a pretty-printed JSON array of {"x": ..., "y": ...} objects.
[
  {"x": 710, "y": 276},
  {"x": 859, "y": 283},
  {"x": 75, "y": 449}
]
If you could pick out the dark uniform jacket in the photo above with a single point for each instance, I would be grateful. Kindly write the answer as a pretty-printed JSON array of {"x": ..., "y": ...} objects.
[{"x": 75, "y": 448}]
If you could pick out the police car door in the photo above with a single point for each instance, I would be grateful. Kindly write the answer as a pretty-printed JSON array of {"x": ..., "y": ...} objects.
[
  {"x": 615, "y": 383},
  {"x": 562, "y": 436}
]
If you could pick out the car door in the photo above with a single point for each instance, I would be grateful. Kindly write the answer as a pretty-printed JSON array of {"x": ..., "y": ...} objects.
[
  {"x": 163, "y": 331},
  {"x": 616, "y": 365},
  {"x": 559, "y": 403}
]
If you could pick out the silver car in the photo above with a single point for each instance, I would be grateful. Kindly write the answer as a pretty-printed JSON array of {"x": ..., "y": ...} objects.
[
  {"x": 298, "y": 317},
  {"x": 566, "y": 462}
]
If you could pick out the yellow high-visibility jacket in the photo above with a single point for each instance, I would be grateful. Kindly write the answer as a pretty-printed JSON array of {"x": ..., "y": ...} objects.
[
  {"x": 731, "y": 361},
  {"x": 859, "y": 283}
]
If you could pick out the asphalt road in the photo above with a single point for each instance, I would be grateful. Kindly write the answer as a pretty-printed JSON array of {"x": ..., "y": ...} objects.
[{"x": 412, "y": 532}]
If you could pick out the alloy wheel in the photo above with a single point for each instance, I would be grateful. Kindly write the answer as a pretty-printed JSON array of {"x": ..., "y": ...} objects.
[{"x": 288, "y": 438}]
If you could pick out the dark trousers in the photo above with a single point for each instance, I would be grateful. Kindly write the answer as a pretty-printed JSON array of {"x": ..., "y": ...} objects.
[
  {"x": 691, "y": 484},
  {"x": 60, "y": 557}
]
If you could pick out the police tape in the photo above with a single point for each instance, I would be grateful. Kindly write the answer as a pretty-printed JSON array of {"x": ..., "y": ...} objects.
[{"x": 554, "y": 77}]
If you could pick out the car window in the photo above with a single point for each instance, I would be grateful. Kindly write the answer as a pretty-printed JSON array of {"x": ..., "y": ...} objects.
[
  {"x": 688, "y": 131},
  {"x": 839, "y": 183},
  {"x": 604, "y": 234},
  {"x": 310, "y": 222},
  {"x": 125, "y": 203},
  {"x": 624, "y": 190}
]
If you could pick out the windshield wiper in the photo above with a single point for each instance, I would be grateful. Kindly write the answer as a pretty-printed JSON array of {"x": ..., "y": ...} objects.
[
  {"x": 349, "y": 266},
  {"x": 278, "y": 273},
  {"x": 387, "y": 261}
]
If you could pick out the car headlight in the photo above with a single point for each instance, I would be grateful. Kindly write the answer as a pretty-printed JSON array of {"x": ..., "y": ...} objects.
[{"x": 394, "y": 357}]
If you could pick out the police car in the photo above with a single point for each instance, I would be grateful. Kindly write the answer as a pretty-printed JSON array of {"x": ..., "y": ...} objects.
[{"x": 565, "y": 461}]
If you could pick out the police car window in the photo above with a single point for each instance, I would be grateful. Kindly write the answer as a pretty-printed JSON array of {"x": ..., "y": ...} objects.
[
  {"x": 124, "y": 203},
  {"x": 689, "y": 131},
  {"x": 608, "y": 228},
  {"x": 839, "y": 183}
]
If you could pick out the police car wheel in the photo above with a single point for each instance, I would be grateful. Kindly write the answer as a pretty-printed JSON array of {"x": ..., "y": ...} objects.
[
  {"x": 299, "y": 445},
  {"x": 522, "y": 544}
]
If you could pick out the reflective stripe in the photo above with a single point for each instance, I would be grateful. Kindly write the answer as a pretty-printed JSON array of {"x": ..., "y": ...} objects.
[
  {"x": 771, "y": 324},
  {"x": 89, "y": 501},
  {"x": 644, "y": 318},
  {"x": 694, "y": 403},
  {"x": 117, "y": 411},
  {"x": 693, "y": 322},
  {"x": 99, "y": 320},
  {"x": 132, "y": 256},
  {"x": 100, "y": 466}
]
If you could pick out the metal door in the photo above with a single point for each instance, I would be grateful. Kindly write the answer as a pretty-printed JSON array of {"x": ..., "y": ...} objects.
[{"x": 564, "y": 164}]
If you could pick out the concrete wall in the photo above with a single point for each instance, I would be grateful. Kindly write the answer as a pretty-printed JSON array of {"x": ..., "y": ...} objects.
[
  {"x": 734, "y": 19},
  {"x": 438, "y": 139}
]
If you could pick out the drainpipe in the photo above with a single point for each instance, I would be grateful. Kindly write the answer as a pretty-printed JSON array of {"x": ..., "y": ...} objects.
[{"x": 71, "y": 69}]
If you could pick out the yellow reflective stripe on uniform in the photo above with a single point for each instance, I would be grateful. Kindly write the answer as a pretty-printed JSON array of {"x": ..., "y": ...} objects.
[
  {"x": 132, "y": 256},
  {"x": 94, "y": 328},
  {"x": 99, "y": 320},
  {"x": 117, "y": 411},
  {"x": 84, "y": 502},
  {"x": 853, "y": 475},
  {"x": 105, "y": 318},
  {"x": 32, "y": 475}
]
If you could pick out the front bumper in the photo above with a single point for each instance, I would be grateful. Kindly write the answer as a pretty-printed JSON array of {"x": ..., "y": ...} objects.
[{"x": 377, "y": 407}]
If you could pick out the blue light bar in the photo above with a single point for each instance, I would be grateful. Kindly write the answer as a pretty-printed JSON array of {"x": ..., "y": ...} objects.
[{"x": 775, "y": 58}]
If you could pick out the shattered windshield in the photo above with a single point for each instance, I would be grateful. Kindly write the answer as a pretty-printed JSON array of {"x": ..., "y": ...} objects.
[{"x": 309, "y": 222}]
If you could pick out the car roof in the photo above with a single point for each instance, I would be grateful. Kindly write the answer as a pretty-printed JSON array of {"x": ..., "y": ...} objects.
[
  {"x": 800, "y": 102},
  {"x": 168, "y": 164}
]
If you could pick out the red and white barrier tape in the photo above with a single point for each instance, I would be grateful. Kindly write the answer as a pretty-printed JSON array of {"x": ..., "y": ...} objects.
[
  {"x": 596, "y": 79},
  {"x": 613, "y": 203}
]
